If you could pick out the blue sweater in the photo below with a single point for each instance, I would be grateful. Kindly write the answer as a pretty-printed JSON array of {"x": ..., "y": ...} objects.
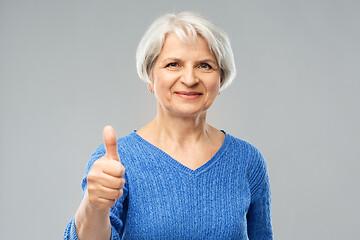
[{"x": 226, "y": 198}]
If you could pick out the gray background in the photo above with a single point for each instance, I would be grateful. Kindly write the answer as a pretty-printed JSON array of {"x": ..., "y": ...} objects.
[{"x": 67, "y": 68}]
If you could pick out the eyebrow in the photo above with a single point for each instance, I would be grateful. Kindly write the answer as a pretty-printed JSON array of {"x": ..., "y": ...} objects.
[
  {"x": 171, "y": 59},
  {"x": 179, "y": 60},
  {"x": 209, "y": 60}
]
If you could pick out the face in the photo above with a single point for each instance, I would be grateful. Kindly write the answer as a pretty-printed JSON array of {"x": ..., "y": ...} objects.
[{"x": 185, "y": 77}]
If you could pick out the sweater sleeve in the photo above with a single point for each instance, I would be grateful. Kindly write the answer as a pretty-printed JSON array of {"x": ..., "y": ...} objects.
[
  {"x": 259, "y": 213},
  {"x": 117, "y": 213}
]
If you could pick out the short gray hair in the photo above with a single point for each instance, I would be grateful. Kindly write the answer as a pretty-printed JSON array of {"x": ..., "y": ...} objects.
[{"x": 183, "y": 25}]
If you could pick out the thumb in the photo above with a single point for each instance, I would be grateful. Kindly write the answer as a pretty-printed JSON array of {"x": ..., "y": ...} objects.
[{"x": 111, "y": 143}]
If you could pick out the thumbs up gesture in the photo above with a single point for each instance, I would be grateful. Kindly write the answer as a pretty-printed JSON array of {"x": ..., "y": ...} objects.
[{"x": 106, "y": 177}]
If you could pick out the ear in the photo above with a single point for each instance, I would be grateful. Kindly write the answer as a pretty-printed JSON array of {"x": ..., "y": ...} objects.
[
  {"x": 149, "y": 86},
  {"x": 221, "y": 78},
  {"x": 221, "y": 84}
]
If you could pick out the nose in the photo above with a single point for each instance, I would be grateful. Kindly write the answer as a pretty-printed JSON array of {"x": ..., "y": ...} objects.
[{"x": 189, "y": 77}]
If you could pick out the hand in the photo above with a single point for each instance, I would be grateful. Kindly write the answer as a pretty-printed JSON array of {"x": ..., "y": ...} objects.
[{"x": 106, "y": 177}]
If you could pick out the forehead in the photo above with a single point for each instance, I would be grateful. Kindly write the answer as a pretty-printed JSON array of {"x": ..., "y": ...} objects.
[{"x": 173, "y": 45}]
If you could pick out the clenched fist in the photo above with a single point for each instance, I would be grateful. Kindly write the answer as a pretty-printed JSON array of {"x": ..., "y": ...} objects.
[{"x": 106, "y": 177}]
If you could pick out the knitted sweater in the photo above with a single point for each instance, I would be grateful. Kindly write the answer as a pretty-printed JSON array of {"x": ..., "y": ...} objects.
[{"x": 226, "y": 198}]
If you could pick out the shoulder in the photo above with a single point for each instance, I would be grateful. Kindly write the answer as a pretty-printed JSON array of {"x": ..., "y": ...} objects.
[
  {"x": 240, "y": 146},
  {"x": 124, "y": 144},
  {"x": 248, "y": 153},
  {"x": 256, "y": 168},
  {"x": 129, "y": 140}
]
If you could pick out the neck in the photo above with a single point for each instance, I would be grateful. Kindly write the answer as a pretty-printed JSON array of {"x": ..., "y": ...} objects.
[{"x": 178, "y": 129}]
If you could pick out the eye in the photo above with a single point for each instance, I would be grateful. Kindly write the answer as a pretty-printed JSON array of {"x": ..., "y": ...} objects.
[
  {"x": 172, "y": 65},
  {"x": 205, "y": 66}
]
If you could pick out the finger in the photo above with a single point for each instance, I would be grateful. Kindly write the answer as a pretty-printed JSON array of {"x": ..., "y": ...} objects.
[
  {"x": 111, "y": 143},
  {"x": 102, "y": 202},
  {"x": 113, "y": 168},
  {"x": 111, "y": 182},
  {"x": 110, "y": 193}
]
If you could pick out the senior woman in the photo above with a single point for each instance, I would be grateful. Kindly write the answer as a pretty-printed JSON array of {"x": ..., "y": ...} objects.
[{"x": 184, "y": 179}]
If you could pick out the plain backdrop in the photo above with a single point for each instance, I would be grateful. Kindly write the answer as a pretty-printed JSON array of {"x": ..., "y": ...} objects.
[{"x": 67, "y": 68}]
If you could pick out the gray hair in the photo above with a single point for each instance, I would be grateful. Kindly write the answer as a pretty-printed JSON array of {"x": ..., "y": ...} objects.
[{"x": 185, "y": 24}]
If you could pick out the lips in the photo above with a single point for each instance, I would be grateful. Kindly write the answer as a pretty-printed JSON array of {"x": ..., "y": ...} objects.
[{"x": 188, "y": 95}]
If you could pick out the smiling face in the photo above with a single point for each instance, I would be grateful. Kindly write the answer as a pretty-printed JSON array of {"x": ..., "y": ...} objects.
[{"x": 185, "y": 77}]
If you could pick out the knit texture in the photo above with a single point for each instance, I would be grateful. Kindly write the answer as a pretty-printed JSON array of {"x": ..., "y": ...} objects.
[{"x": 226, "y": 198}]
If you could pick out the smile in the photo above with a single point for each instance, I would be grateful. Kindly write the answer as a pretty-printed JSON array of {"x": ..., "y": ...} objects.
[{"x": 188, "y": 95}]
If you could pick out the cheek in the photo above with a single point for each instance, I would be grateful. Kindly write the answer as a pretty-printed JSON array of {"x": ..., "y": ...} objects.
[
  {"x": 164, "y": 80},
  {"x": 212, "y": 80},
  {"x": 215, "y": 85}
]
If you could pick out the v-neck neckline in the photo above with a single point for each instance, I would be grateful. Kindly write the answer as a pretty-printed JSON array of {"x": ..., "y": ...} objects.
[{"x": 170, "y": 160}]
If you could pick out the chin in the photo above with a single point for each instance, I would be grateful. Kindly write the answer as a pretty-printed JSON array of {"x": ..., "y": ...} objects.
[{"x": 189, "y": 113}]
